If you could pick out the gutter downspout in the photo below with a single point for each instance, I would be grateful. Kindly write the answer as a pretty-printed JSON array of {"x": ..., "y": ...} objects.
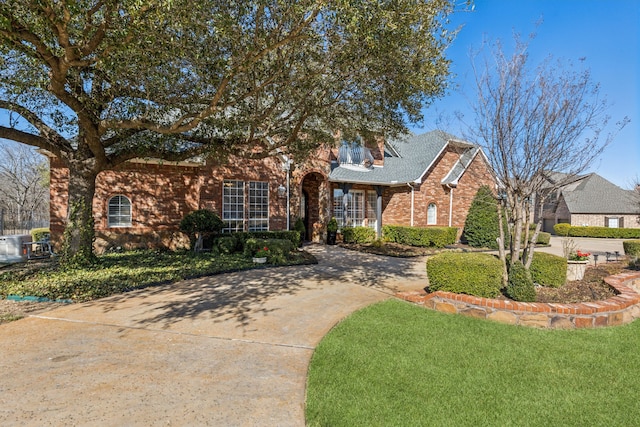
[
  {"x": 412, "y": 200},
  {"x": 451, "y": 187}
]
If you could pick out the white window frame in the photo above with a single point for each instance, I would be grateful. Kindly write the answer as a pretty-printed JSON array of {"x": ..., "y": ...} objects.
[
  {"x": 338, "y": 206},
  {"x": 432, "y": 214},
  {"x": 119, "y": 212},
  {"x": 258, "y": 206},
  {"x": 372, "y": 209},
  {"x": 233, "y": 205},
  {"x": 349, "y": 209}
]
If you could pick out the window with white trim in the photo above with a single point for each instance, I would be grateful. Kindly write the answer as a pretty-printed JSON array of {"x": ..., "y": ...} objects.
[
  {"x": 258, "y": 206},
  {"x": 348, "y": 208},
  {"x": 432, "y": 214},
  {"x": 233, "y": 206},
  {"x": 119, "y": 212},
  {"x": 372, "y": 207}
]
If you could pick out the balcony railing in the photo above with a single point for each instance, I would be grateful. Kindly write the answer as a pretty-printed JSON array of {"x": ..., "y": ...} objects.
[{"x": 355, "y": 156}]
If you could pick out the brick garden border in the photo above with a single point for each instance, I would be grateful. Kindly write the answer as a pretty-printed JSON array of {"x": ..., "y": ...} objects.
[{"x": 620, "y": 309}]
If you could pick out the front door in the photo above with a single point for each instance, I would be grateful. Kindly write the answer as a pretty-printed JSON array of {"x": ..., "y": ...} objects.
[{"x": 304, "y": 211}]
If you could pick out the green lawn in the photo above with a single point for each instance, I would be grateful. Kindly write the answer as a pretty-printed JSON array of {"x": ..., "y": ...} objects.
[
  {"x": 396, "y": 364},
  {"x": 121, "y": 272}
]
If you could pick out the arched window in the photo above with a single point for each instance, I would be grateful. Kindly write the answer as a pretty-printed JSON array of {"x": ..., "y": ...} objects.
[
  {"x": 119, "y": 212},
  {"x": 432, "y": 214}
]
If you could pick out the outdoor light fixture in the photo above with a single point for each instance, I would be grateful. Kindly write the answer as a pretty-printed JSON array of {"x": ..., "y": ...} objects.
[
  {"x": 595, "y": 259},
  {"x": 282, "y": 190}
]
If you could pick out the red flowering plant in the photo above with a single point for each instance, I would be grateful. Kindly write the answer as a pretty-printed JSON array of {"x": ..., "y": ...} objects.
[
  {"x": 263, "y": 252},
  {"x": 579, "y": 256}
]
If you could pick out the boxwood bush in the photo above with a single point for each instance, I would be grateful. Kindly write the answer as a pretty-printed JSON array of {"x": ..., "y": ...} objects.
[
  {"x": 465, "y": 273},
  {"x": 520, "y": 286},
  {"x": 293, "y": 236},
  {"x": 358, "y": 234},
  {"x": 548, "y": 270},
  {"x": 227, "y": 244},
  {"x": 631, "y": 247},
  {"x": 278, "y": 248},
  {"x": 437, "y": 237}
]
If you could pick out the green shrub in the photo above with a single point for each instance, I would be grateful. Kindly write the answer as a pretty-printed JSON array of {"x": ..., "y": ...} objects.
[
  {"x": 38, "y": 234},
  {"x": 227, "y": 244},
  {"x": 543, "y": 238},
  {"x": 437, "y": 237},
  {"x": 465, "y": 273},
  {"x": 631, "y": 247},
  {"x": 562, "y": 229},
  {"x": 358, "y": 235},
  {"x": 548, "y": 270},
  {"x": 520, "y": 286},
  {"x": 482, "y": 227},
  {"x": 202, "y": 222},
  {"x": 293, "y": 236},
  {"x": 605, "y": 232},
  {"x": 278, "y": 248},
  {"x": 300, "y": 228}
]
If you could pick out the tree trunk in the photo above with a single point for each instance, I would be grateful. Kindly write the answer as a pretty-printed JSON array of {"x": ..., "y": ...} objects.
[
  {"x": 79, "y": 233},
  {"x": 501, "y": 251}
]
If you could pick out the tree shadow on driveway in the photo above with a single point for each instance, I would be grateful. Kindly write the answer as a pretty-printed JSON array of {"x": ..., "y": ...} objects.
[{"x": 340, "y": 277}]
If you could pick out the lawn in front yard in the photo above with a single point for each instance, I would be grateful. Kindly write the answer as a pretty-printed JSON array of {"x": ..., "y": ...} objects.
[
  {"x": 121, "y": 272},
  {"x": 396, "y": 364}
]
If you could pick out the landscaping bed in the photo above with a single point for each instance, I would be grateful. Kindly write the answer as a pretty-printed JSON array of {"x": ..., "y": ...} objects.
[{"x": 113, "y": 273}]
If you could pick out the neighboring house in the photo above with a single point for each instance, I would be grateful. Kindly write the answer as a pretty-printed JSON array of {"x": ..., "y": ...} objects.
[
  {"x": 419, "y": 180},
  {"x": 590, "y": 200}
]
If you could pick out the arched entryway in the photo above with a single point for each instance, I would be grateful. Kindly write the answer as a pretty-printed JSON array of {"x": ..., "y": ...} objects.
[{"x": 313, "y": 205}]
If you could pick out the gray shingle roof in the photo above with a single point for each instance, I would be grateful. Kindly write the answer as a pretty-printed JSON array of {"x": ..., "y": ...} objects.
[
  {"x": 416, "y": 154},
  {"x": 598, "y": 196}
]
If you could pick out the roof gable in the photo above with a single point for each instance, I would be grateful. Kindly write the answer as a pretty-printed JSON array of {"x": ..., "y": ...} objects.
[
  {"x": 595, "y": 194},
  {"x": 408, "y": 159}
]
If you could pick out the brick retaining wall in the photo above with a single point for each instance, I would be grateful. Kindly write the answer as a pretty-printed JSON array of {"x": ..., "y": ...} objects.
[{"x": 620, "y": 309}]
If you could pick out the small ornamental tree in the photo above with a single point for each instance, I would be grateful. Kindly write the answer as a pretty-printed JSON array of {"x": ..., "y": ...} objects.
[
  {"x": 481, "y": 228},
  {"x": 200, "y": 224}
]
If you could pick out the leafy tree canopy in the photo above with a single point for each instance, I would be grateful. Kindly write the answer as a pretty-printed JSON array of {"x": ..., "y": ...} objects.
[
  {"x": 174, "y": 78},
  {"x": 100, "y": 82}
]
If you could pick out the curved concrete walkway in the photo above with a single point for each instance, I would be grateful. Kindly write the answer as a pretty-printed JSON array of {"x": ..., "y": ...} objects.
[{"x": 228, "y": 350}]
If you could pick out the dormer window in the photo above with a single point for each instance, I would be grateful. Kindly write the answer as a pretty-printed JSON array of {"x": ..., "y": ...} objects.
[{"x": 355, "y": 156}]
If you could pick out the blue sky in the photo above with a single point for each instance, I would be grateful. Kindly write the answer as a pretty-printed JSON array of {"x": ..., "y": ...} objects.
[{"x": 605, "y": 32}]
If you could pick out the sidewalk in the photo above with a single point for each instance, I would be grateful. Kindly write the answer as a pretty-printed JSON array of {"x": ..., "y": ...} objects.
[
  {"x": 585, "y": 244},
  {"x": 228, "y": 350}
]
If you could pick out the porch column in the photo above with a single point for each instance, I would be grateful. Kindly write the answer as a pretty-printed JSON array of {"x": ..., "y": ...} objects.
[{"x": 379, "y": 189}]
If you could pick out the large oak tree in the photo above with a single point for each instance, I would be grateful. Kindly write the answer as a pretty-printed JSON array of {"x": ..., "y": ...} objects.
[{"x": 100, "y": 82}]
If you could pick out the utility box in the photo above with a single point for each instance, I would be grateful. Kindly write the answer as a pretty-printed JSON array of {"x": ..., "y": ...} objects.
[{"x": 12, "y": 248}]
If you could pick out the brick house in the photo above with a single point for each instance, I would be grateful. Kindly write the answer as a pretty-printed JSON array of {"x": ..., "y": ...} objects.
[
  {"x": 419, "y": 180},
  {"x": 590, "y": 200}
]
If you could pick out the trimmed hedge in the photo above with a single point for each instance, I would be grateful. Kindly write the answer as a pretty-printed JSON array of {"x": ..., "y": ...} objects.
[
  {"x": 358, "y": 234},
  {"x": 543, "y": 238},
  {"x": 437, "y": 237},
  {"x": 293, "y": 236},
  {"x": 601, "y": 232},
  {"x": 277, "y": 247},
  {"x": 631, "y": 247},
  {"x": 562, "y": 229},
  {"x": 228, "y": 244},
  {"x": 475, "y": 274},
  {"x": 548, "y": 270}
]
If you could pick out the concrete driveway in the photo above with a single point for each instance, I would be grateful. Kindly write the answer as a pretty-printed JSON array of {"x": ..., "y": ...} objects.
[
  {"x": 228, "y": 350},
  {"x": 585, "y": 244}
]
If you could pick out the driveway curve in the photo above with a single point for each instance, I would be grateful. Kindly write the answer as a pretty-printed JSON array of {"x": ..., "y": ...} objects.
[{"x": 230, "y": 349}]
